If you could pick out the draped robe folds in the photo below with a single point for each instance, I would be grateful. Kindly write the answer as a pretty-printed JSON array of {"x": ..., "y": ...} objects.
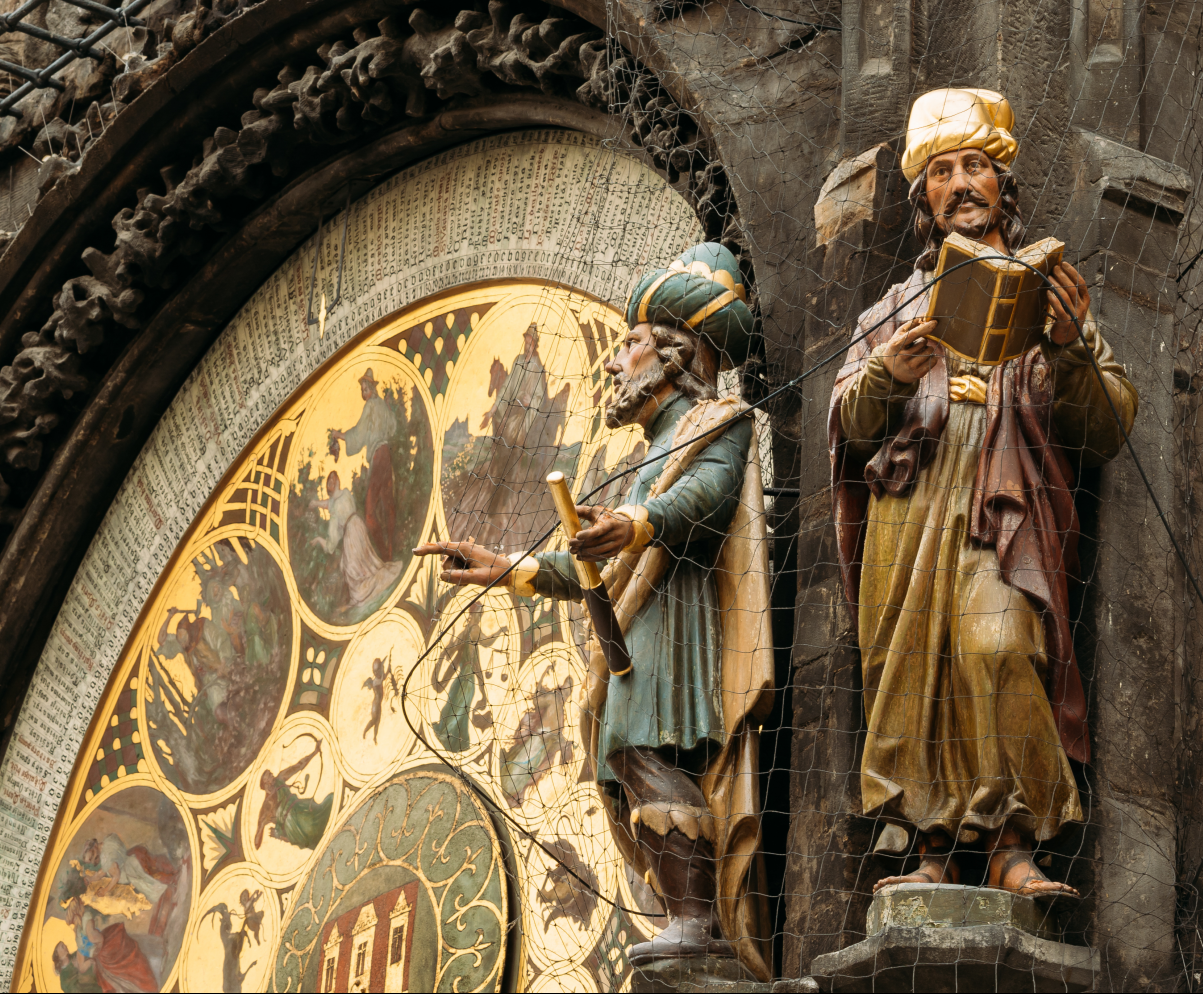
[
  {"x": 120, "y": 963},
  {"x": 730, "y": 782},
  {"x": 957, "y": 533}
]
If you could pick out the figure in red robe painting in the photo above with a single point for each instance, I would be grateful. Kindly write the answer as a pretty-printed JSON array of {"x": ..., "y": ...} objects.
[{"x": 108, "y": 953}]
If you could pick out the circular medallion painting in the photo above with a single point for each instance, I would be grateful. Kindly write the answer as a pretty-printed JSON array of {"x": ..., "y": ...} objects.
[
  {"x": 360, "y": 482},
  {"x": 253, "y": 800},
  {"x": 217, "y": 664},
  {"x": 409, "y": 895},
  {"x": 119, "y": 905}
]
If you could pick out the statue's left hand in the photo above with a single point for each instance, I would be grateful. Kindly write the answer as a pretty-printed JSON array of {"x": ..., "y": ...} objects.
[
  {"x": 605, "y": 537},
  {"x": 1071, "y": 291}
]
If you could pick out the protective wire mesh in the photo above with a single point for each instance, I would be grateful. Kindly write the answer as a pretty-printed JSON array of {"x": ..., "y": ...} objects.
[
  {"x": 956, "y": 716},
  {"x": 67, "y": 49},
  {"x": 957, "y": 620}
]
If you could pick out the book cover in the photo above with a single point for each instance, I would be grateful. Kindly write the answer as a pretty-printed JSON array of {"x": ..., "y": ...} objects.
[{"x": 990, "y": 310}]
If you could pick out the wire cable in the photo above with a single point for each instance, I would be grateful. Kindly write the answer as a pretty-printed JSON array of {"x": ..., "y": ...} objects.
[{"x": 720, "y": 427}]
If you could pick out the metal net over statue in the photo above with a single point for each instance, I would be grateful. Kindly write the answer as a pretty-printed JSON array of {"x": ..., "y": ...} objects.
[{"x": 600, "y": 497}]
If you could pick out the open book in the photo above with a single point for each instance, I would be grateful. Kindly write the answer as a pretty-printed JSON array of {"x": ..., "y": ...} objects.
[{"x": 991, "y": 310}]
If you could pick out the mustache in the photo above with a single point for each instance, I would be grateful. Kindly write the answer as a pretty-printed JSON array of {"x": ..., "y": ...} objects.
[{"x": 970, "y": 196}]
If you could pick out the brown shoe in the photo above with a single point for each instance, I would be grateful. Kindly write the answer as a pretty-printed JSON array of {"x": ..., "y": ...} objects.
[{"x": 684, "y": 870}]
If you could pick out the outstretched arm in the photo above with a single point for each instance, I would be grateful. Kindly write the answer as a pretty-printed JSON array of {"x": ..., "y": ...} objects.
[
  {"x": 291, "y": 771},
  {"x": 466, "y": 563}
]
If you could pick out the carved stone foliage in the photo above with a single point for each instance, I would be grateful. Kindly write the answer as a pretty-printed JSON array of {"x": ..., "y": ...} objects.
[{"x": 407, "y": 65}]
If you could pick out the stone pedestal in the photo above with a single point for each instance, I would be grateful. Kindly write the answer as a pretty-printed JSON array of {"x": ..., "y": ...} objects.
[
  {"x": 695, "y": 973},
  {"x": 946, "y": 937}
]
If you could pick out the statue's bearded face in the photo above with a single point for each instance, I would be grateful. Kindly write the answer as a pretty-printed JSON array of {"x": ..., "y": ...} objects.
[
  {"x": 630, "y": 394},
  {"x": 963, "y": 192},
  {"x": 638, "y": 376}
]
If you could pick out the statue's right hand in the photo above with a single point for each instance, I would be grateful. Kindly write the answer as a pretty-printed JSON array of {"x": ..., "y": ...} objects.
[
  {"x": 466, "y": 562},
  {"x": 908, "y": 356}
]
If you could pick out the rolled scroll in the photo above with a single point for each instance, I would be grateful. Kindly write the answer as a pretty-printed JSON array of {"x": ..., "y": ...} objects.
[{"x": 597, "y": 600}]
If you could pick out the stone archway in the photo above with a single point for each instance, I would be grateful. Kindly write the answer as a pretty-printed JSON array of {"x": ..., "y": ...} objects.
[{"x": 101, "y": 330}]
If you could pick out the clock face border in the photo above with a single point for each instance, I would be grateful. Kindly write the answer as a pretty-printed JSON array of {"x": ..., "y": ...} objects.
[{"x": 218, "y": 492}]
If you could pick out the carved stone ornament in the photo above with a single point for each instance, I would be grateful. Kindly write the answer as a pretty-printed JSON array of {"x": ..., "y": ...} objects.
[{"x": 409, "y": 64}]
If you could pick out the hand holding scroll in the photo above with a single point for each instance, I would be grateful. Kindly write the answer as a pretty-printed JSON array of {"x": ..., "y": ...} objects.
[{"x": 606, "y": 536}]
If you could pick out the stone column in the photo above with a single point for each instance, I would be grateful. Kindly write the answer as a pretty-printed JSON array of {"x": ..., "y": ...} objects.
[
  {"x": 1123, "y": 222},
  {"x": 859, "y": 217}
]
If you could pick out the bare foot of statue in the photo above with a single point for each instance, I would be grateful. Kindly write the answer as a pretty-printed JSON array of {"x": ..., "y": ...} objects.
[
  {"x": 937, "y": 864},
  {"x": 1013, "y": 867},
  {"x": 1016, "y": 870}
]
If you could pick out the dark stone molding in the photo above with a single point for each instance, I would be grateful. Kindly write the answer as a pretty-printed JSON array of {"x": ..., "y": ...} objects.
[{"x": 119, "y": 343}]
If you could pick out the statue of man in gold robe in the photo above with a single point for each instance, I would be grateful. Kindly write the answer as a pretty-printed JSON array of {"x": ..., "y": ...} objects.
[{"x": 952, "y": 490}]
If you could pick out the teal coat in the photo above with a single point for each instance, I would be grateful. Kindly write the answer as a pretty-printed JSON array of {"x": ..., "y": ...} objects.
[{"x": 671, "y": 699}]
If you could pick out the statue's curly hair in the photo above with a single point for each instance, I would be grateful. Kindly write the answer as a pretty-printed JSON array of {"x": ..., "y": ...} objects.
[
  {"x": 690, "y": 362},
  {"x": 932, "y": 237}
]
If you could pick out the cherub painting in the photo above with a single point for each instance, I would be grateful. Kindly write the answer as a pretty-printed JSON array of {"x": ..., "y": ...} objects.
[{"x": 382, "y": 675}]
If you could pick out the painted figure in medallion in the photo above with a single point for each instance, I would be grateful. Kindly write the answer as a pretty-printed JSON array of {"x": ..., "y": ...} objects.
[
  {"x": 673, "y": 742},
  {"x": 218, "y": 667},
  {"x": 503, "y": 499},
  {"x": 297, "y": 820},
  {"x": 540, "y": 743},
  {"x": 465, "y": 676},
  {"x": 367, "y": 576},
  {"x": 233, "y": 941},
  {"x": 124, "y": 893},
  {"x": 349, "y": 525},
  {"x": 371, "y": 436},
  {"x": 957, "y": 531}
]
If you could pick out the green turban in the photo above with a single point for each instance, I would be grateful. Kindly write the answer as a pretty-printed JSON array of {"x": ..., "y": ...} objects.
[{"x": 703, "y": 291}]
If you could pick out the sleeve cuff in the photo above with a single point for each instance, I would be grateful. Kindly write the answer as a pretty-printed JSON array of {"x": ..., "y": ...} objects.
[
  {"x": 643, "y": 532},
  {"x": 1073, "y": 353},
  {"x": 522, "y": 578},
  {"x": 879, "y": 384}
]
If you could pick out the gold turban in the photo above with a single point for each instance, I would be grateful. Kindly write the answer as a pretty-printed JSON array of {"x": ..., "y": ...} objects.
[{"x": 948, "y": 119}]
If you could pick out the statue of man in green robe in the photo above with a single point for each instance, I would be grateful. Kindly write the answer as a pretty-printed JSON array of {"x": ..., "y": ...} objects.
[
  {"x": 674, "y": 741},
  {"x": 953, "y": 505}
]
